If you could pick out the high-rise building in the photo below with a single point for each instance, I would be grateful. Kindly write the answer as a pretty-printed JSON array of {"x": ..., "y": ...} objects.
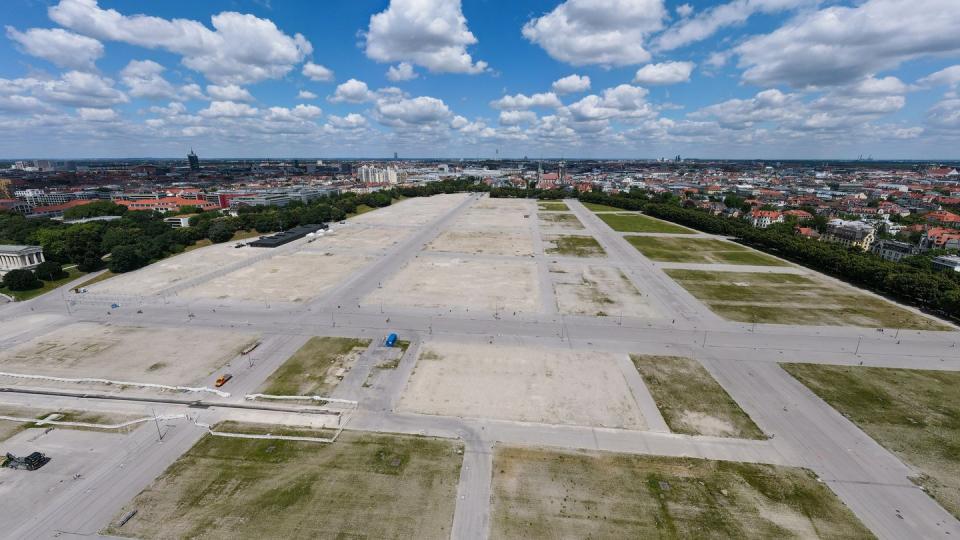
[{"x": 193, "y": 160}]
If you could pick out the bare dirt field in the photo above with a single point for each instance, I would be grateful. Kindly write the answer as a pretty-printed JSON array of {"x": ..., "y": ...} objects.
[
  {"x": 362, "y": 486},
  {"x": 498, "y": 213},
  {"x": 572, "y": 245},
  {"x": 154, "y": 355},
  {"x": 315, "y": 369},
  {"x": 411, "y": 212},
  {"x": 540, "y": 493},
  {"x": 296, "y": 277},
  {"x": 168, "y": 272},
  {"x": 553, "y": 386},
  {"x": 433, "y": 282},
  {"x": 559, "y": 220},
  {"x": 489, "y": 241},
  {"x": 357, "y": 239},
  {"x": 597, "y": 291}
]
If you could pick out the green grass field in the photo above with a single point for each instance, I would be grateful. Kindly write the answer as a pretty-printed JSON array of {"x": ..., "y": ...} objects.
[
  {"x": 699, "y": 250},
  {"x": 602, "y": 207},
  {"x": 637, "y": 223},
  {"x": 691, "y": 401},
  {"x": 574, "y": 246},
  {"x": 540, "y": 493},
  {"x": 755, "y": 297},
  {"x": 362, "y": 486},
  {"x": 561, "y": 220},
  {"x": 48, "y": 286},
  {"x": 310, "y": 371},
  {"x": 913, "y": 413},
  {"x": 553, "y": 206}
]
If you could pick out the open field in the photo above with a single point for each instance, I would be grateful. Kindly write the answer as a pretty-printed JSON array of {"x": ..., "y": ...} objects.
[
  {"x": 48, "y": 286},
  {"x": 430, "y": 282},
  {"x": 602, "y": 207},
  {"x": 294, "y": 277},
  {"x": 356, "y": 239},
  {"x": 541, "y": 493},
  {"x": 699, "y": 250},
  {"x": 913, "y": 413},
  {"x": 170, "y": 271},
  {"x": 484, "y": 241},
  {"x": 559, "y": 220},
  {"x": 497, "y": 214},
  {"x": 795, "y": 299},
  {"x": 573, "y": 246},
  {"x": 553, "y": 206},
  {"x": 362, "y": 486},
  {"x": 637, "y": 223},
  {"x": 313, "y": 369},
  {"x": 691, "y": 401},
  {"x": 597, "y": 291},
  {"x": 410, "y": 212},
  {"x": 553, "y": 386},
  {"x": 154, "y": 355}
]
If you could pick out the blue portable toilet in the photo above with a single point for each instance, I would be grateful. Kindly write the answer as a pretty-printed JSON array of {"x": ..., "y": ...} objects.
[{"x": 391, "y": 340}]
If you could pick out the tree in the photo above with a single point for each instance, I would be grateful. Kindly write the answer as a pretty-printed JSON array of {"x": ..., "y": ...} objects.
[
  {"x": 125, "y": 259},
  {"x": 219, "y": 232},
  {"x": 95, "y": 209},
  {"x": 49, "y": 271},
  {"x": 21, "y": 280}
]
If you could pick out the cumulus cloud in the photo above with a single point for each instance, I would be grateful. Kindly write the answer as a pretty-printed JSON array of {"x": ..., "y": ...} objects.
[
  {"x": 605, "y": 32},
  {"x": 240, "y": 49},
  {"x": 837, "y": 45},
  {"x": 300, "y": 112},
  {"x": 63, "y": 48},
  {"x": 306, "y": 94},
  {"x": 97, "y": 115},
  {"x": 571, "y": 84},
  {"x": 512, "y": 118},
  {"x": 316, "y": 72},
  {"x": 228, "y": 109},
  {"x": 352, "y": 91},
  {"x": 144, "y": 79},
  {"x": 411, "y": 112},
  {"x": 350, "y": 121},
  {"x": 945, "y": 113},
  {"x": 428, "y": 33},
  {"x": 521, "y": 101},
  {"x": 664, "y": 73},
  {"x": 191, "y": 91},
  {"x": 229, "y": 92},
  {"x": 949, "y": 76},
  {"x": 708, "y": 22},
  {"x": 401, "y": 72},
  {"x": 621, "y": 102}
]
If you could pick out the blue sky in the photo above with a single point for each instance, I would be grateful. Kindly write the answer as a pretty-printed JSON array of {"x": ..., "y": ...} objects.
[{"x": 443, "y": 78}]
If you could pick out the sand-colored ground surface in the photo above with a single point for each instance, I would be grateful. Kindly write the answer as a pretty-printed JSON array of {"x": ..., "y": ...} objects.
[
  {"x": 296, "y": 277},
  {"x": 497, "y": 214},
  {"x": 598, "y": 291},
  {"x": 433, "y": 282},
  {"x": 154, "y": 355},
  {"x": 355, "y": 238},
  {"x": 553, "y": 386},
  {"x": 490, "y": 242},
  {"x": 411, "y": 212},
  {"x": 168, "y": 272},
  {"x": 559, "y": 221}
]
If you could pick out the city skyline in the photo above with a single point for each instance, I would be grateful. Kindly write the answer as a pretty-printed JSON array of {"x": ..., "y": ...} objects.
[{"x": 762, "y": 79}]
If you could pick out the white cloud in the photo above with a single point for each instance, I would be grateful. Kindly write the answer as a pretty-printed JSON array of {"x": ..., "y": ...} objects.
[
  {"x": 709, "y": 21},
  {"x": 512, "y": 118},
  {"x": 63, "y": 48},
  {"x": 352, "y": 91},
  {"x": 428, "y": 33},
  {"x": 945, "y": 113},
  {"x": 97, "y": 115},
  {"x": 300, "y": 112},
  {"x": 621, "y": 102},
  {"x": 228, "y": 109},
  {"x": 23, "y": 104},
  {"x": 174, "y": 108},
  {"x": 306, "y": 94},
  {"x": 521, "y": 101},
  {"x": 78, "y": 89},
  {"x": 229, "y": 92},
  {"x": 766, "y": 106},
  {"x": 605, "y": 32},
  {"x": 571, "y": 84},
  {"x": 350, "y": 121},
  {"x": 884, "y": 86},
  {"x": 240, "y": 49},
  {"x": 459, "y": 122},
  {"x": 838, "y": 45},
  {"x": 191, "y": 91},
  {"x": 401, "y": 72},
  {"x": 664, "y": 73},
  {"x": 949, "y": 76},
  {"x": 144, "y": 79},
  {"x": 316, "y": 72},
  {"x": 410, "y": 112}
]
